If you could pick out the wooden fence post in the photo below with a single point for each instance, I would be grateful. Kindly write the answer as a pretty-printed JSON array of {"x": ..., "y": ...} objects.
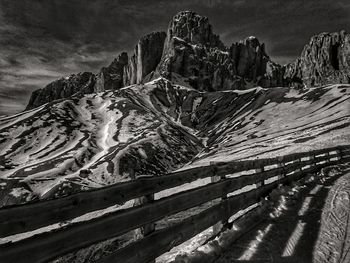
[
  {"x": 312, "y": 157},
  {"x": 283, "y": 174},
  {"x": 261, "y": 182},
  {"x": 328, "y": 159},
  {"x": 298, "y": 169},
  {"x": 315, "y": 160},
  {"x": 339, "y": 152},
  {"x": 222, "y": 224},
  {"x": 148, "y": 228}
]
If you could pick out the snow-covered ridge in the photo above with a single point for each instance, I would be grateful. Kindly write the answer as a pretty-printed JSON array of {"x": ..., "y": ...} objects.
[{"x": 153, "y": 128}]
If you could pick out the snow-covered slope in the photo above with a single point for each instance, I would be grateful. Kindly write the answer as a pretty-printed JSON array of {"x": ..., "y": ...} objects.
[
  {"x": 90, "y": 141},
  {"x": 279, "y": 121},
  {"x": 99, "y": 139}
]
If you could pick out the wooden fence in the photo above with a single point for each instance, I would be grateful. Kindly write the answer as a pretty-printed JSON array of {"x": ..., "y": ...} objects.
[{"x": 264, "y": 176}]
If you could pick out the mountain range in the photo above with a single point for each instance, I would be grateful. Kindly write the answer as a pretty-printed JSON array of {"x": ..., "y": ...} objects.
[{"x": 182, "y": 99}]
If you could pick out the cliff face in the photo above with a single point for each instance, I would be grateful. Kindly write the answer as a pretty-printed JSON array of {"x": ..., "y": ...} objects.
[
  {"x": 145, "y": 59},
  {"x": 195, "y": 55},
  {"x": 192, "y": 28},
  {"x": 254, "y": 65},
  {"x": 325, "y": 60},
  {"x": 111, "y": 77},
  {"x": 201, "y": 67},
  {"x": 191, "y": 54},
  {"x": 63, "y": 88}
]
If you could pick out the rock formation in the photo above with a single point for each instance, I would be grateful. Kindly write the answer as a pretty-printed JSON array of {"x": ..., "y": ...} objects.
[
  {"x": 192, "y": 55},
  {"x": 254, "y": 65},
  {"x": 111, "y": 77},
  {"x": 63, "y": 88},
  {"x": 196, "y": 56},
  {"x": 192, "y": 28},
  {"x": 145, "y": 59},
  {"x": 325, "y": 60}
]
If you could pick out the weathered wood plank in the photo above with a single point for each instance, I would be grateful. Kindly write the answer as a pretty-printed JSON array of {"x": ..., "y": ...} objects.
[
  {"x": 19, "y": 218},
  {"x": 46, "y": 246},
  {"x": 239, "y": 166},
  {"x": 43, "y": 247},
  {"x": 163, "y": 240},
  {"x": 49, "y": 245}
]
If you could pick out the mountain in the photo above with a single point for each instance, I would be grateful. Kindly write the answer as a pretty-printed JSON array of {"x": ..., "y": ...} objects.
[
  {"x": 325, "y": 60},
  {"x": 196, "y": 56},
  {"x": 182, "y": 99},
  {"x": 190, "y": 54}
]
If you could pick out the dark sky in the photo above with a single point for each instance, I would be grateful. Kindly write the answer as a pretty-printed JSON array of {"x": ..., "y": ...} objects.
[{"x": 41, "y": 41}]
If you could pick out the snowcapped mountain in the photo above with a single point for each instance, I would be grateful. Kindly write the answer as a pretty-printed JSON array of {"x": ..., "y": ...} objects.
[{"x": 182, "y": 99}]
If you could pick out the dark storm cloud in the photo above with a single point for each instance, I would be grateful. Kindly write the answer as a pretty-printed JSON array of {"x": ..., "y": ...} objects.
[{"x": 42, "y": 40}]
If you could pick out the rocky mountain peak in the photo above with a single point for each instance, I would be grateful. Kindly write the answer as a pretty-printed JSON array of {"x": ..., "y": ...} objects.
[
  {"x": 63, "y": 88},
  {"x": 193, "y": 28},
  {"x": 111, "y": 77},
  {"x": 145, "y": 59},
  {"x": 252, "y": 42},
  {"x": 250, "y": 58},
  {"x": 324, "y": 60},
  {"x": 193, "y": 54},
  {"x": 190, "y": 54}
]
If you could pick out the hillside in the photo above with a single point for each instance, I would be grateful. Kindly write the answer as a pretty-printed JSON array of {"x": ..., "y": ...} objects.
[{"x": 99, "y": 139}]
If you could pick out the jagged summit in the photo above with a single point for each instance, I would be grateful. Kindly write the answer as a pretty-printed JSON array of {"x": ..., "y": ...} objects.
[
  {"x": 324, "y": 60},
  {"x": 111, "y": 77},
  {"x": 193, "y": 55},
  {"x": 145, "y": 59},
  {"x": 63, "y": 88},
  {"x": 193, "y": 28},
  {"x": 251, "y": 41},
  {"x": 190, "y": 54}
]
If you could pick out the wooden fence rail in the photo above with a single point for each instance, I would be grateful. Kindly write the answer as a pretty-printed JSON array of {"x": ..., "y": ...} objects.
[{"x": 266, "y": 175}]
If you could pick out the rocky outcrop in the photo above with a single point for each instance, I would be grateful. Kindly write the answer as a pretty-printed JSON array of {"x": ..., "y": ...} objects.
[
  {"x": 197, "y": 66},
  {"x": 121, "y": 72},
  {"x": 192, "y": 28},
  {"x": 194, "y": 55},
  {"x": 253, "y": 65},
  {"x": 63, "y": 88},
  {"x": 325, "y": 60},
  {"x": 191, "y": 54},
  {"x": 111, "y": 77},
  {"x": 145, "y": 59}
]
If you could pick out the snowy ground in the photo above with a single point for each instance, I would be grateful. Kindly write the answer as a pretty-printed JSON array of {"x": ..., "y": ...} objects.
[
  {"x": 101, "y": 139},
  {"x": 308, "y": 222},
  {"x": 279, "y": 121}
]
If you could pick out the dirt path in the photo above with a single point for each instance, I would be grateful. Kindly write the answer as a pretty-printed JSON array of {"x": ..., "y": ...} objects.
[{"x": 308, "y": 224}]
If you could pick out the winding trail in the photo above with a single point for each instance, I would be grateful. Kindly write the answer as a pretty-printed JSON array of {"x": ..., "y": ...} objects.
[{"x": 311, "y": 225}]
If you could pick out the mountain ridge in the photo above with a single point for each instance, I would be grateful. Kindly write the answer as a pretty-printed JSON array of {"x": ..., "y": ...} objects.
[{"x": 189, "y": 53}]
